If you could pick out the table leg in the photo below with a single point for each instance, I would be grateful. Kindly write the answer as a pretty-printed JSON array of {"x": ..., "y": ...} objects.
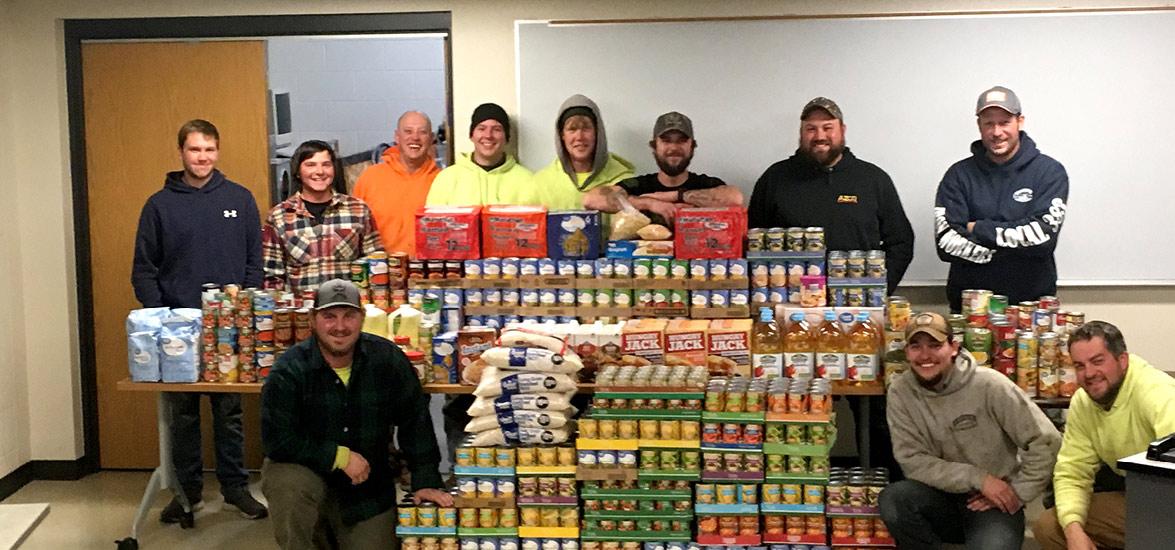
[{"x": 164, "y": 475}]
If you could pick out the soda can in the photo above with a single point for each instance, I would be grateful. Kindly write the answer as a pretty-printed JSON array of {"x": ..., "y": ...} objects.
[
  {"x": 565, "y": 268},
  {"x": 604, "y": 268},
  {"x": 511, "y": 296},
  {"x": 622, "y": 268},
  {"x": 719, "y": 270},
  {"x": 511, "y": 268}
]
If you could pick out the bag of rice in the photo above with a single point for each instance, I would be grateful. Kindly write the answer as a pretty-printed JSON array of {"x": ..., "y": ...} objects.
[
  {"x": 527, "y": 338},
  {"x": 521, "y": 436},
  {"x": 179, "y": 346},
  {"x": 142, "y": 331},
  {"x": 525, "y": 401},
  {"x": 521, "y": 419},
  {"x": 532, "y": 360},
  {"x": 495, "y": 382}
]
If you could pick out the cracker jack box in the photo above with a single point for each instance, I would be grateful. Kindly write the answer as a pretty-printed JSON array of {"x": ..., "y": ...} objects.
[
  {"x": 448, "y": 233},
  {"x": 642, "y": 341},
  {"x": 514, "y": 231},
  {"x": 709, "y": 232},
  {"x": 685, "y": 342},
  {"x": 573, "y": 234},
  {"x": 729, "y": 347}
]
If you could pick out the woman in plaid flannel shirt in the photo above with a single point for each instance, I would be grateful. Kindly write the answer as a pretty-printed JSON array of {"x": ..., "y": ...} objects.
[{"x": 313, "y": 236}]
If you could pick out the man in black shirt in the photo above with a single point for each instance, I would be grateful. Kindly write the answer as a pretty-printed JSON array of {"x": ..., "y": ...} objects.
[
  {"x": 659, "y": 194},
  {"x": 823, "y": 184}
]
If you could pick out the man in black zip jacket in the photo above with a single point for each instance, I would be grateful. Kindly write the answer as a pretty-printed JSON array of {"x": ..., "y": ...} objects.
[
  {"x": 823, "y": 184},
  {"x": 998, "y": 213},
  {"x": 200, "y": 228}
]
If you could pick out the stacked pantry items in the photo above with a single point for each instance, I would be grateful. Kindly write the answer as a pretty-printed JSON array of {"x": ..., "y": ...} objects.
[
  {"x": 486, "y": 490},
  {"x": 1028, "y": 341},
  {"x": 853, "y": 508},
  {"x": 426, "y": 526},
  {"x": 897, "y": 315},
  {"x": 548, "y": 504},
  {"x": 800, "y": 433},
  {"x": 791, "y": 266},
  {"x": 732, "y": 462},
  {"x": 652, "y": 413},
  {"x": 382, "y": 278}
]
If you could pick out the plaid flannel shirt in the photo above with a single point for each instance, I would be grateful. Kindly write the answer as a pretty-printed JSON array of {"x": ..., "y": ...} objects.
[
  {"x": 300, "y": 255},
  {"x": 307, "y": 412}
]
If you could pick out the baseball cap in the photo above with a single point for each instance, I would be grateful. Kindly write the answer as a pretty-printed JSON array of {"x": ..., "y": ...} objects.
[
  {"x": 998, "y": 96},
  {"x": 822, "y": 103},
  {"x": 673, "y": 120},
  {"x": 336, "y": 292},
  {"x": 932, "y": 324}
]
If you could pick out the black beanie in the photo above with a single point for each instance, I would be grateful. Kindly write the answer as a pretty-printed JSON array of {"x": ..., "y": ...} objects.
[
  {"x": 490, "y": 111},
  {"x": 576, "y": 111}
]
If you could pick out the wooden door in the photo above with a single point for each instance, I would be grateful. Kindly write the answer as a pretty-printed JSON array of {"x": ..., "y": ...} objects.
[{"x": 137, "y": 95}]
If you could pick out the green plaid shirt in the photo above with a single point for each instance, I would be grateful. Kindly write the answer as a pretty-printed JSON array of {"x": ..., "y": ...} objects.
[{"x": 307, "y": 412}]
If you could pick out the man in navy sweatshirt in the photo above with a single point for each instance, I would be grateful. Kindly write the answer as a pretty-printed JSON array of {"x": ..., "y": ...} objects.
[
  {"x": 998, "y": 213},
  {"x": 200, "y": 228}
]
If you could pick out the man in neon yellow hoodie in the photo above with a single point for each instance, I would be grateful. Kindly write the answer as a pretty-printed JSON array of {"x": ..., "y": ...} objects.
[
  {"x": 582, "y": 161},
  {"x": 1124, "y": 403},
  {"x": 488, "y": 175}
]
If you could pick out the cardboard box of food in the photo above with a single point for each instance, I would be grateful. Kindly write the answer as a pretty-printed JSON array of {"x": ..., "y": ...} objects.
[
  {"x": 448, "y": 233},
  {"x": 514, "y": 231},
  {"x": 471, "y": 343},
  {"x": 729, "y": 347},
  {"x": 642, "y": 342},
  {"x": 710, "y": 232},
  {"x": 574, "y": 234},
  {"x": 685, "y": 342}
]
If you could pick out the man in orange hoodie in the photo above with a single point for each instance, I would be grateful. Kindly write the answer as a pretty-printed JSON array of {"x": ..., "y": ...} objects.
[{"x": 395, "y": 188}]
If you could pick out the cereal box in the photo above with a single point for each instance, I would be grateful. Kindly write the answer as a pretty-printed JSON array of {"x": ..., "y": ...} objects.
[
  {"x": 448, "y": 233},
  {"x": 729, "y": 347},
  {"x": 514, "y": 231},
  {"x": 685, "y": 342},
  {"x": 444, "y": 357},
  {"x": 710, "y": 232},
  {"x": 573, "y": 234}
]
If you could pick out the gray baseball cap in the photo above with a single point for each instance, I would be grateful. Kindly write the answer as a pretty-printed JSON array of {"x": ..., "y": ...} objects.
[
  {"x": 673, "y": 120},
  {"x": 337, "y": 292},
  {"x": 825, "y": 104},
  {"x": 998, "y": 96}
]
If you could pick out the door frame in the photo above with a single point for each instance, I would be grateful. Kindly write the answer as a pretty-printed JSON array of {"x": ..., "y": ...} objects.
[{"x": 77, "y": 31}]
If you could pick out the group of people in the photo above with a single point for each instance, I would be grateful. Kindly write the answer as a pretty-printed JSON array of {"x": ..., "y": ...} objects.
[
  {"x": 331, "y": 401},
  {"x": 975, "y": 449}
]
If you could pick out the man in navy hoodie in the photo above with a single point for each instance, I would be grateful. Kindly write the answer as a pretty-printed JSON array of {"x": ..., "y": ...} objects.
[
  {"x": 998, "y": 213},
  {"x": 200, "y": 228}
]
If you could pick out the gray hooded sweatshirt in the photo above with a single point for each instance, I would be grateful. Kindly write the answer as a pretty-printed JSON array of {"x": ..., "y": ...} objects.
[{"x": 976, "y": 422}]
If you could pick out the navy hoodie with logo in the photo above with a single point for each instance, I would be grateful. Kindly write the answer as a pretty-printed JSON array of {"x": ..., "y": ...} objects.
[
  {"x": 1018, "y": 208},
  {"x": 189, "y": 236}
]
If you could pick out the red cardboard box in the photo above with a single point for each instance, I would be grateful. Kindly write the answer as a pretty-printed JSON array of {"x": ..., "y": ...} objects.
[
  {"x": 709, "y": 232},
  {"x": 448, "y": 233},
  {"x": 514, "y": 231}
]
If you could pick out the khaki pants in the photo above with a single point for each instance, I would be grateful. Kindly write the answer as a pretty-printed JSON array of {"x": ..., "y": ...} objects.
[
  {"x": 304, "y": 514},
  {"x": 1105, "y": 524}
]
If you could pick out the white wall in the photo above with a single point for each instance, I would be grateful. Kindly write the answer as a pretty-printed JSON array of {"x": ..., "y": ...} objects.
[
  {"x": 34, "y": 170},
  {"x": 353, "y": 89}
]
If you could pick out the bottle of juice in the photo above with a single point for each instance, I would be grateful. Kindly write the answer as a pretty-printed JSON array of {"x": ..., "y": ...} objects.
[
  {"x": 766, "y": 345},
  {"x": 798, "y": 345},
  {"x": 861, "y": 356},
  {"x": 830, "y": 349}
]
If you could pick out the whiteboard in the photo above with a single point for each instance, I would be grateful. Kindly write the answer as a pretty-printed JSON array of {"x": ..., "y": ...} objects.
[{"x": 1098, "y": 92}]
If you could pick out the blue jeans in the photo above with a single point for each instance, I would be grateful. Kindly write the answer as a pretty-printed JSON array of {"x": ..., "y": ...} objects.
[
  {"x": 922, "y": 517},
  {"x": 228, "y": 436}
]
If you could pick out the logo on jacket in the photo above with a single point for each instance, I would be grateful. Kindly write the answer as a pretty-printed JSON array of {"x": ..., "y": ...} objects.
[
  {"x": 230, "y": 213},
  {"x": 1022, "y": 195},
  {"x": 846, "y": 199},
  {"x": 964, "y": 422}
]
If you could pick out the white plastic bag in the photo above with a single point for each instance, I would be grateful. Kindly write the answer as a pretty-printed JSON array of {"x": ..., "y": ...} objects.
[
  {"x": 532, "y": 360},
  {"x": 627, "y": 221},
  {"x": 529, "y": 338},
  {"x": 520, "y": 419},
  {"x": 523, "y": 436},
  {"x": 526, "y": 401},
  {"x": 495, "y": 382}
]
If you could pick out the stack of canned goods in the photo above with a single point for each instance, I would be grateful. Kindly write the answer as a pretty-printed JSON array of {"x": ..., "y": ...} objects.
[
  {"x": 548, "y": 516},
  {"x": 634, "y": 545},
  {"x": 731, "y": 433},
  {"x": 487, "y": 518},
  {"x": 797, "y": 465},
  {"x": 425, "y": 514},
  {"x": 486, "y": 487},
  {"x": 634, "y": 505},
  {"x": 726, "y": 493},
  {"x": 793, "y": 493},
  {"x": 792, "y": 433},
  {"x": 546, "y": 486},
  {"x": 738, "y": 394},
  {"x": 382, "y": 277},
  {"x": 548, "y": 544},
  {"x": 859, "y": 527},
  {"x": 653, "y": 376},
  {"x": 799, "y": 396},
  {"x": 429, "y": 543},
  {"x": 241, "y": 333},
  {"x": 720, "y": 462},
  {"x": 791, "y": 239},
  {"x": 485, "y": 457},
  {"x": 490, "y": 543},
  {"x": 732, "y": 526},
  {"x": 621, "y": 526},
  {"x": 856, "y": 264},
  {"x": 778, "y": 281},
  {"x": 856, "y": 487}
]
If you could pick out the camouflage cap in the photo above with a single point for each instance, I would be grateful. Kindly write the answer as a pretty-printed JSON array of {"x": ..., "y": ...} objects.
[
  {"x": 671, "y": 121},
  {"x": 824, "y": 103}
]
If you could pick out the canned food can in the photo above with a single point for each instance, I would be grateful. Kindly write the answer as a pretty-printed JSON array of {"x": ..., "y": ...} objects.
[
  {"x": 679, "y": 269},
  {"x": 756, "y": 239},
  {"x": 604, "y": 268},
  {"x": 719, "y": 270},
  {"x": 528, "y": 267},
  {"x": 603, "y": 297},
  {"x": 510, "y": 268},
  {"x": 719, "y": 298},
  {"x": 622, "y": 268},
  {"x": 642, "y": 268},
  {"x": 699, "y": 270},
  {"x": 700, "y": 298},
  {"x": 622, "y": 297}
]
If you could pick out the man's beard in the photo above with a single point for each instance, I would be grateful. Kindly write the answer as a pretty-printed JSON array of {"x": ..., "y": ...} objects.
[
  {"x": 329, "y": 349},
  {"x": 1111, "y": 395},
  {"x": 673, "y": 170},
  {"x": 824, "y": 159}
]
